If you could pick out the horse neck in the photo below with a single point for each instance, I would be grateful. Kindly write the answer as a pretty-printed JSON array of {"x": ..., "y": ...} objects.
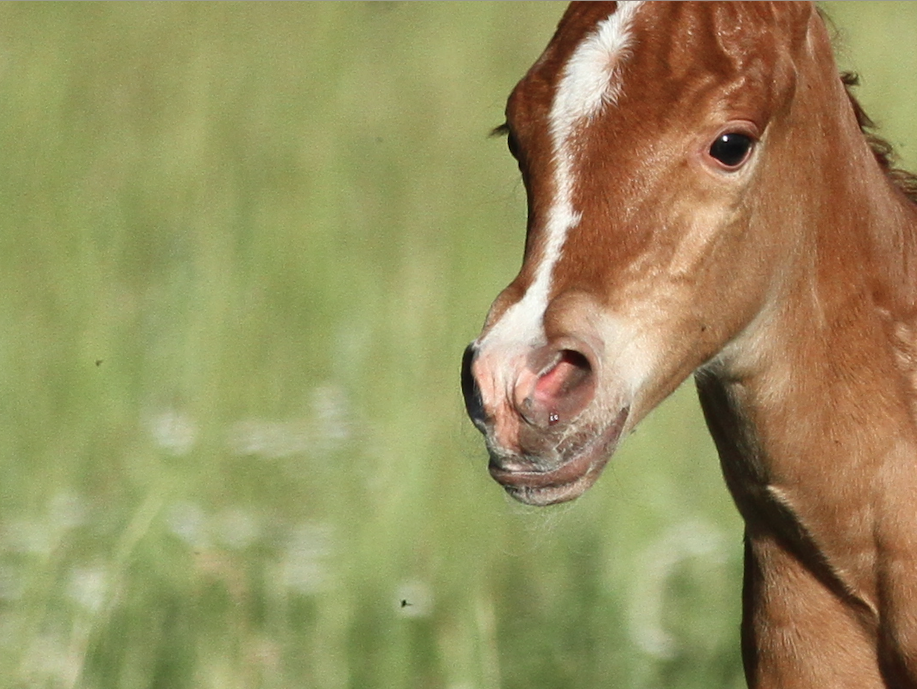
[
  {"x": 891, "y": 225},
  {"x": 813, "y": 409},
  {"x": 825, "y": 379}
]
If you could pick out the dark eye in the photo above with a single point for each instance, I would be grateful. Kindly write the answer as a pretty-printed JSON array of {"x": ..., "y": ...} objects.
[{"x": 731, "y": 148}]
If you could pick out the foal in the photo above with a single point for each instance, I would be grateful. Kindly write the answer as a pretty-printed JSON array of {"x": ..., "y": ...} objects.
[{"x": 702, "y": 198}]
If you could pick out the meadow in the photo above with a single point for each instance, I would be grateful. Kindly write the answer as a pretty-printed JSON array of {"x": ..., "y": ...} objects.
[{"x": 242, "y": 247}]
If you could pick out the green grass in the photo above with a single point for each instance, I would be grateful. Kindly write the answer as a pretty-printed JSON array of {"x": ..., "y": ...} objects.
[{"x": 241, "y": 250}]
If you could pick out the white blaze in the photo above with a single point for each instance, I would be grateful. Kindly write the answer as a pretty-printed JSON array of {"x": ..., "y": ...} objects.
[{"x": 588, "y": 84}]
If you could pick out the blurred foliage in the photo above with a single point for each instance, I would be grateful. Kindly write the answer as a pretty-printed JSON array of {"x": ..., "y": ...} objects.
[{"x": 242, "y": 247}]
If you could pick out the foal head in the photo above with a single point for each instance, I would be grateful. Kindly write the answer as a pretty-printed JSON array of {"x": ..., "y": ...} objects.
[{"x": 666, "y": 151}]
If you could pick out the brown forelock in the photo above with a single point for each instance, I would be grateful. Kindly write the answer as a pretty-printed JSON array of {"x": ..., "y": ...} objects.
[{"x": 692, "y": 67}]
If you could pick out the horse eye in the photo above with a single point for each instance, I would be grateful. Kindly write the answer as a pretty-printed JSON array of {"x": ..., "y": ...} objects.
[{"x": 731, "y": 148}]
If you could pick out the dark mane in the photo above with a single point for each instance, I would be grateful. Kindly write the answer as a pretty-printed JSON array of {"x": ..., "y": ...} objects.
[{"x": 881, "y": 149}]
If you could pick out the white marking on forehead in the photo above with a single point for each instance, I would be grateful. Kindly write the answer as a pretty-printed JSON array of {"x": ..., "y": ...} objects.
[{"x": 586, "y": 86}]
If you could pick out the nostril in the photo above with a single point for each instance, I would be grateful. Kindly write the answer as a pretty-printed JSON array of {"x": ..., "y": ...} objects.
[
  {"x": 561, "y": 389},
  {"x": 474, "y": 404},
  {"x": 570, "y": 371}
]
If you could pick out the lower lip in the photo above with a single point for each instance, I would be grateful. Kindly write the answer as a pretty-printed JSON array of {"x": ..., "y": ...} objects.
[
  {"x": 553, "y": 495},
  {"x": 568, "y": 481}
]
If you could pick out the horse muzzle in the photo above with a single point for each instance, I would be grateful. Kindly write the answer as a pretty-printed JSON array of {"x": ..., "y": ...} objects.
[{"x": 548, "y": 427}]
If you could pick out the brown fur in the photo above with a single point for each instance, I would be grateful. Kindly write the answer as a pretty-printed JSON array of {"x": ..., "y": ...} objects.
[{"x": 789, "y": 286}]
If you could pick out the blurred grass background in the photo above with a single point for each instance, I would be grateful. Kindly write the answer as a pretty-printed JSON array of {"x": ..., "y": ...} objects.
[{"x": 242, "y": 249}]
